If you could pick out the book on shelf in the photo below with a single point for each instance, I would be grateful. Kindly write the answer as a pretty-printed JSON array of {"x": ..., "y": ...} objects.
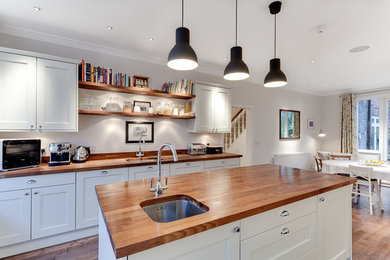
[{"x": 183, "y": 86}]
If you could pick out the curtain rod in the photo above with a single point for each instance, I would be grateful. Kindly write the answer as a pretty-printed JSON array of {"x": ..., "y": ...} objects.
[{"x": 368, "y": 92}]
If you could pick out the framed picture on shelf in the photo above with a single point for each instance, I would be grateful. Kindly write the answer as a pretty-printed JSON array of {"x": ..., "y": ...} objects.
[
  {"x": 136, "y": 131},
  {"x": 310, "y": 123},
  {"x": 143, "y": 106},
  {"x": 140, "y": 81}
]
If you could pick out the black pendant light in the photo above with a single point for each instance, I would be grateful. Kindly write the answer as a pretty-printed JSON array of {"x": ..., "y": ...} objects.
[
  {"x": 275, "y": 77},
  {"x": 182, "y": 56},
  {"x": 236, "y": 69}
]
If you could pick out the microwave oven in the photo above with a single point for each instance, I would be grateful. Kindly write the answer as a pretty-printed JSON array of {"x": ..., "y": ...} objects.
[{"x": 19, "y": 153}]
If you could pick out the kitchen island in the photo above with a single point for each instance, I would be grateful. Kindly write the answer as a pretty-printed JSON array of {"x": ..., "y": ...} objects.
[{"x": 264, "y": 210}]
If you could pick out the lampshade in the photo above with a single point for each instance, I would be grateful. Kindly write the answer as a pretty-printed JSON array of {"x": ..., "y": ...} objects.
[
  {"x": 236, "y": 69},
  {"x": 182, "y": 56},
  {"x": 275, "y": 77},
  {"x": 321, "y": 134}
]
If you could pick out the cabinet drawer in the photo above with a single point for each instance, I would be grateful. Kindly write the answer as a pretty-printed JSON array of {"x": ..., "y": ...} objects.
[
  {"x": 147, "y": 172},
  {"x": 224, "y": 163},
  {"x": 293, "y": 240},
  {"x": 257, "y": 224},
  {"x": 19, "y": 183},
  {"x": 186, "y": 167}
]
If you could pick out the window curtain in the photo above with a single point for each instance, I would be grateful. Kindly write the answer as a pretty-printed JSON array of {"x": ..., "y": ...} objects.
[{"x": 348, "y": 125}]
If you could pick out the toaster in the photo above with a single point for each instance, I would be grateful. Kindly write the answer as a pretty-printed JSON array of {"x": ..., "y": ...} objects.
[{"x": 196, "y": 149}]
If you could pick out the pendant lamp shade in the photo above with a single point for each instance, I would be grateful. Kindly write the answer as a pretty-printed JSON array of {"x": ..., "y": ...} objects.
[
  {"x": 275, "y": 77},
  {"x": 236, "y": 69},
  {"x": 182, "y": 56}
]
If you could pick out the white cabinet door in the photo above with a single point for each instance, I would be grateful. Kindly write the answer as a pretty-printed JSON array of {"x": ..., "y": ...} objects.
[
  {"x": 222, "y": 164},
  {"x": 292, "y": 240},
  {"x": 186, "y": 167},
  {"x": 15, "y": 213},
  {"x": 56, "y": 96},
  {"x": 204, "y": 109},
  {"x": 220, "y": 243},
  {"x": 335, "y": 224},
  {"x": 17, "y": 92},
  {"x": 222, "y": 111},
  {"x": 147, "y": 172},
  {"x": 53, "y": 210},
  {"x": 86, "y": 201}
]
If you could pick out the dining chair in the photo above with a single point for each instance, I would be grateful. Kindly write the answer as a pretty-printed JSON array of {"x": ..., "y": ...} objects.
[
  {"x": 341, "y": 156},
  {"x": 318, "y": 163},
  {"x": 363, "y": 176}
]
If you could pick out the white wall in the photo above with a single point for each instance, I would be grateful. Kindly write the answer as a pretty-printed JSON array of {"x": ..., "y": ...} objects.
[
  {"x": 331, "y": 123},
  {"x": 107, "y": 134}
]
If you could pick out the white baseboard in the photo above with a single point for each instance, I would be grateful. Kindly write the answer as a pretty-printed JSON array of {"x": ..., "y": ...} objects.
[{"x": 47, "y": 241}]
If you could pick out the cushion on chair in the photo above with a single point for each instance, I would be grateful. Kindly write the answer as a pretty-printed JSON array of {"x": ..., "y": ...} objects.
[{"x": 324, "y": 155}]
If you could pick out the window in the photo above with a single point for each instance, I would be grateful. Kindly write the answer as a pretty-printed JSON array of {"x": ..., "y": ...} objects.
[{"x": 368, "y": 128}]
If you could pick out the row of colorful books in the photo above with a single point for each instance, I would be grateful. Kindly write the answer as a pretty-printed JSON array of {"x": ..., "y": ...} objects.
[
  {"x": 183, "y": 86},
  {"x": 89, "y": 73}
]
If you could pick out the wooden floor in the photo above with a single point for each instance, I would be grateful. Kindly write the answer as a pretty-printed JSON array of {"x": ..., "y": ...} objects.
[{"x": 371, "y": 237}]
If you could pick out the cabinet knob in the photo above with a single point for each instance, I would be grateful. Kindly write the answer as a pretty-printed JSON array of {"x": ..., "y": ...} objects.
[
  {"x": 236, "y": 230},
  {"x": 104, "y": 172},
  {"x": 150, "y": 168},
  {"x": 284, "y": 213},
  {"x": 188, "y": 164},
  {"x": 285, "y": 231},
  {"x": 31, "y": 126},
  {"x": 322, "y": 199},
  {"x": 26, "y": 194},
  {"x": 31, "y": 181},
  {"x": 40, "y": 126},
  {"x": 36, "y": 192}
]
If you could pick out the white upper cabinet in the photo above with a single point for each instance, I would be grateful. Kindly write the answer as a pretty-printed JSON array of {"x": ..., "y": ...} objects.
[
  {"x": 57, "y": 95},
  {"x": 212, "y": 107},
  {"x": 17, "y": 92}
]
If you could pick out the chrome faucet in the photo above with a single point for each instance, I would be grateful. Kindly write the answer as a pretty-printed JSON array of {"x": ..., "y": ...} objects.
[
  {"x": 159, "y": 187},
  {"x": 140, "y": 152}
]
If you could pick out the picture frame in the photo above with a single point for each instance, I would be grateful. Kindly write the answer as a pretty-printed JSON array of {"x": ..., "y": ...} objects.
[
  {"x": 310, "y": 123},
  {"x": 144, "y": 106},
  {"x": 136, "y": 130},
  {"x": 289, "y": 124}
]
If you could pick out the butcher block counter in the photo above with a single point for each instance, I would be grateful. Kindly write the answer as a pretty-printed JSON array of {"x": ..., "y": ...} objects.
[{"x": 231, "y": 195}]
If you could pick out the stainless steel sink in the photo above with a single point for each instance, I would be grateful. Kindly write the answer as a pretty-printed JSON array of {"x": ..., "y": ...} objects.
[{"x": 171, "y": 208}]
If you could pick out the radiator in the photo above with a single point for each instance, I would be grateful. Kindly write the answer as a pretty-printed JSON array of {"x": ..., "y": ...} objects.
[{"x": 296, "y": 160}]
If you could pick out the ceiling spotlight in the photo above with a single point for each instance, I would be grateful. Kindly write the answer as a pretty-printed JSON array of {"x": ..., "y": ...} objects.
[
  {"x": 151, "y": 39},
  {"x": 313, "y": 61},
  {"x": 109, "y": 28},
  {"x": 359, "y": 49},
  {"x": 320, "y": 28},
  {"x": 36, "y": 8}
]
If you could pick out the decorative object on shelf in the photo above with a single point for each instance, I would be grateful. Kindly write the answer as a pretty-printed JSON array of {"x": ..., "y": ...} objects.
[
  {"x": 140, "y": 81},
  {"x": 150, "y": 110},
  {"x": 143, "y": 106},
  {"x": 183, "y": 86},
  {"x": 310, "y": 123},
  {"x": 188, "y": 108},
  {"x": 289, "y": 124},
  {"x": 275, "y": 77},
  {"x": 112, "y": 106},
  {"x": 182, "y": 56},
  {"x": 107, "y": 113},
  {"x": 167, "y": 109},
  {"x": 236, "y": 69},
  {"x": 127, "y": 107},
  {"x": 321, "y": 133},
  {"x": 136, "y": 131}
]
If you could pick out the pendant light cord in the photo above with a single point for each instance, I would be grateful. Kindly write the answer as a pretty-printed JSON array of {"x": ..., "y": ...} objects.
[
  {"x": 236, "y": 20},
  {"x": 182, "y": 13},
  {"x": 275, "y": 37}
]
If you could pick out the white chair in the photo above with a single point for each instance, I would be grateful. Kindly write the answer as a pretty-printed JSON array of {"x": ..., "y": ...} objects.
[{"x": 363, "y": 176}]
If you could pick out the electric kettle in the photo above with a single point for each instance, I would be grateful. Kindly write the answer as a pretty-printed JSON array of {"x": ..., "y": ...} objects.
[{"x": 81, "y": 154}]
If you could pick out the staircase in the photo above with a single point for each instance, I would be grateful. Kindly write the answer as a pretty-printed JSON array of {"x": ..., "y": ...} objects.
[{"x": 238, "y": 127}]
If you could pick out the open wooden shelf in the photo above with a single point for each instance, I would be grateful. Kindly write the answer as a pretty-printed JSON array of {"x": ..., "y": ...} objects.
[
  {"x": 132, "y": 90},
  {"x": 109, "y": 113}
]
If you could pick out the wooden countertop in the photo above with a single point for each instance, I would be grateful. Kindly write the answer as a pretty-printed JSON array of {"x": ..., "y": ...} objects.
[
  {"x": 230, "y": 194},
  {"x": 111, "y": 163}
]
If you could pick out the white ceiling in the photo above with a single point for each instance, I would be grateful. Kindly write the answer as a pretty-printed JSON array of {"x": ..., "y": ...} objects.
[{"x": 349, "y": 23}]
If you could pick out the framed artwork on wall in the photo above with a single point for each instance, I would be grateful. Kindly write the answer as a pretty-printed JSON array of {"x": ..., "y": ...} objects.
[
  {"x": 136, "y": 131},
  {"x": 289, "y": 124},
  {"x": 310, "y": 123}
]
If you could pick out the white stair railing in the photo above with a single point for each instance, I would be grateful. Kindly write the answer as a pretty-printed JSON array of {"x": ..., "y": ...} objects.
[{"x": 237, "y": 127}]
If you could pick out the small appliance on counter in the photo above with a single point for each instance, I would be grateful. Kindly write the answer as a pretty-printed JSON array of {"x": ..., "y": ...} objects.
[
  {"x": 19, "y": 153},
  {"x": 60, "y": 154},
  {"x": 81, "y": 154},
  {"x": 214, "y": 149},
  {"x": 196, "y": 149}
]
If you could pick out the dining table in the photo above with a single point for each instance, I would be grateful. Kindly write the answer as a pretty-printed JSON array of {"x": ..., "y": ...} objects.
[{"x": 381, "y": 172}]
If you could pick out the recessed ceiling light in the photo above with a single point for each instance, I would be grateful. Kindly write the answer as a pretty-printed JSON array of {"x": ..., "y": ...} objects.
[
  {"x": 325, "y": 85},
  {"x": 225, "y": 59},
  {"x": 304, "y": 80},
  {"x": 320, "y": 28},
  {"x": 36, "y": 8},
  {"x": 151, "y": 39},
  {"x": 359, "y": 49},
  {"x": 109, "y": 28},
  {"x": 313, "y": 61}
]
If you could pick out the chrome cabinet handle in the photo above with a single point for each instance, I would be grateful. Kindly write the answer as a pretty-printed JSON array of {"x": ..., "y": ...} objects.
[
  {"x": 32, "y": 126},
  {"x": 322, "y": 199},
  {"x": 284, "y": 213},
  {"x": 36, "y": 192},
  {"x": 188, "y": 164},
  {"x": 223, "y": 162},
  {"x": 104, "y": 172},
  {"x": 26, "y": 194},
  {"x": 150, "y": 168},
  {"x": 31, "y": 181},
  {"x": 285, "y": 231},
  {"x": 236, "y": 230}
]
